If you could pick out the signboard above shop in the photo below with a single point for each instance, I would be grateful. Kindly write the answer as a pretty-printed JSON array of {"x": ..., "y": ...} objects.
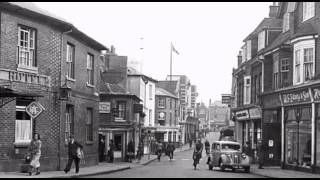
[
  {"x": 104, "y": 107},
  {"x": 242, "y": 115},
  {"x": 301, "y": 96},
  {"x": 255, "y": 113}
]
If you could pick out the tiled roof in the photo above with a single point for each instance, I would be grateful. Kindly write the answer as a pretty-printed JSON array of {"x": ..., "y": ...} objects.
[
  {"x": 109, "y": 88},
  {"x": 266, "y": 23},
  {"x": 170, "y": 86},
  {"x": 31, "y": 9},
  {"x": 163, "y": 92},
  {"x": 115, "y": 89},
  {"x": 280, "y": 39},
  {"x": 304, "y": 29},
  {"x": 133, "y": 72}
]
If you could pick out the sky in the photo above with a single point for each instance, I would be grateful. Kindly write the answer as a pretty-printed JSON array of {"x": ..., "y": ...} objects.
[{"x": 207, "y": 35}]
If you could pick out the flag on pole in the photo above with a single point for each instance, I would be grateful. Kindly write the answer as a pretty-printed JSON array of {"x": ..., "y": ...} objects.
[{"x": 174, "y": 49}]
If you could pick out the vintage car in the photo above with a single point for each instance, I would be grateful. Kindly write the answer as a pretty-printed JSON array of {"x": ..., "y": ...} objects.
[{"x": 228, "y": 154}]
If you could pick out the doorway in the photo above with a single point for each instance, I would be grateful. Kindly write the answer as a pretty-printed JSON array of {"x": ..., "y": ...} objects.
[{"x": 118, "y": 143}]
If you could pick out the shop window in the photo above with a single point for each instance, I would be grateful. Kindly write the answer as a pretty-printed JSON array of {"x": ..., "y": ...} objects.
[{"x": 298, "y": 137}]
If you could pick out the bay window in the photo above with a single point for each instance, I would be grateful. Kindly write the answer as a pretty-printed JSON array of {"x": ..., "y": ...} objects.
[
  {"x": 304, "y": 57},
  {"x": 26, "y": 47}
]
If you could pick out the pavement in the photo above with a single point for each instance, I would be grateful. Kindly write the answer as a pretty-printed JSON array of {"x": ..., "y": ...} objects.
[
  {"x": 277, "y": 172},
  {"x": 101, "y": 168}
]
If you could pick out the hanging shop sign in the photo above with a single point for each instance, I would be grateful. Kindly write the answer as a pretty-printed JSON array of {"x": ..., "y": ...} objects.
[
  {"x": 296, "y": 97},
  {"x": 241, "y": 115}
]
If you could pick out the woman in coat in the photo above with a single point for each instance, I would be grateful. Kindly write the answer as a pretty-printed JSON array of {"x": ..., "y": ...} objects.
[{"x": 35, "y": 151}]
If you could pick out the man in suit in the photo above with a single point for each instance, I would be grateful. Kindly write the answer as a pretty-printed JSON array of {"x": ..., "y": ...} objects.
[{"x": 72, "y": 152}]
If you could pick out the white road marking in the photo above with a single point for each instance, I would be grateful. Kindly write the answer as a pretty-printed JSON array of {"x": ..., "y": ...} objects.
[{"x": 185, "y": 159}]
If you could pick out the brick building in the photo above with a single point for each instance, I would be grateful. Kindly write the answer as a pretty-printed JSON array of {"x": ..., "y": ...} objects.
[
  {"x": 39, "y": 54},
  {"x": 166, "y": 116}
]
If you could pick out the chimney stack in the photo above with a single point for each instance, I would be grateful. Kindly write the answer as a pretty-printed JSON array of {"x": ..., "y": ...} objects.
[
  {"x": 239, "y": 58},
  {"x": 274, "y": 10}
]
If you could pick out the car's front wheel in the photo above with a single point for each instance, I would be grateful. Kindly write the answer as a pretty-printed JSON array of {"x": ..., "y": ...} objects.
[
  {"x": 221, "y": 166},
  {"x": 247, "y": 169}
]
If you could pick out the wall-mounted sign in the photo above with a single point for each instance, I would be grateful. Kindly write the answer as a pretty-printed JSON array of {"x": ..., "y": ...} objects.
[
  {"x": 241, "y": 115},
  {"x": 296, "y": 97},
  {"x": 254, "y": 113},
  {"x": 34, "y": 109},
  {"x": 104, "y": 107}
]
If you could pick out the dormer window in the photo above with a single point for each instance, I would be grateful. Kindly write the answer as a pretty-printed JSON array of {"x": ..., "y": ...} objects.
[
  {"x": 308, "y": 10},
  {"x": 286, "y": 21},
  {"x": 261, "y": 40}
]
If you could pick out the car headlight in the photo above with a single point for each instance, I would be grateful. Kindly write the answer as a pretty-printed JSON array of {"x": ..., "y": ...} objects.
[{"x": 243, "y": 155}]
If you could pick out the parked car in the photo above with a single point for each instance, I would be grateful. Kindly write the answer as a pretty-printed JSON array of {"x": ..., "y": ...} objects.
[{"x": 228, "y": 154}]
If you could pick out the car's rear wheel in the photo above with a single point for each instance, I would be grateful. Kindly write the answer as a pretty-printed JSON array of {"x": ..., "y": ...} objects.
[
  {"x": 247, "y": 169},
  {"x": 210, "y": 167},
  {"x": 233, "y": 169},
  {"x": 222, "y": 168}
]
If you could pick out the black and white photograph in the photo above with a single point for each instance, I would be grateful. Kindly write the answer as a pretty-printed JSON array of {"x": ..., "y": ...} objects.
[{"x": 159, "y": 90}]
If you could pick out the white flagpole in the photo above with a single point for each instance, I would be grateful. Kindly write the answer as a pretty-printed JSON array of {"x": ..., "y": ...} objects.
[{"x": 171, "y": 62}]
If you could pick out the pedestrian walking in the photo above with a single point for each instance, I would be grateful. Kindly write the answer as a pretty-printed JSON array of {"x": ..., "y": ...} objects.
[
  {"x": 73, "y": 152},
  {"x": 170, "y": 149},
  {"x": 111, "y": 151},
  {"x": 130, "y": 151},
  {"x": 159, "y": 149},
  {"x": 35, "y": 152},
  {"x": 207, "y": 146},
  {"x": 190, "y": 143},
  {"x": 197, "y": 153}
]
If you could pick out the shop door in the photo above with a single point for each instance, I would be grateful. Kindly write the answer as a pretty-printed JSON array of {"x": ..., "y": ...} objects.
[
  {"x": 118, "y": 146},
  {"x": 272, "y": 142}
]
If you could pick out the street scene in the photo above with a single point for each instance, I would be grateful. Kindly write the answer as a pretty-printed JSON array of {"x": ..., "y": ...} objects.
[{"x": 159, "y": 90}]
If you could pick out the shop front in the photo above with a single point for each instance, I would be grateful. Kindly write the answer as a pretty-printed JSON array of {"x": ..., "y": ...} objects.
[
  {"x": 300, "y": 132},
  {"x": 248, "y": 128}
]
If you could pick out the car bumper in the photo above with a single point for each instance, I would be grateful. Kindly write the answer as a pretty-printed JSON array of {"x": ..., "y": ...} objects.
[{"x": 236, "y": 166}]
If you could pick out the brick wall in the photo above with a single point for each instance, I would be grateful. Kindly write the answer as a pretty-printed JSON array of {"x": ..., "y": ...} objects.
[{"x": 48, "y": 62}]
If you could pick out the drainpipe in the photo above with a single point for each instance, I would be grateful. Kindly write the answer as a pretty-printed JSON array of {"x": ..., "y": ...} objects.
[{"x": 60, "y": 78}]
